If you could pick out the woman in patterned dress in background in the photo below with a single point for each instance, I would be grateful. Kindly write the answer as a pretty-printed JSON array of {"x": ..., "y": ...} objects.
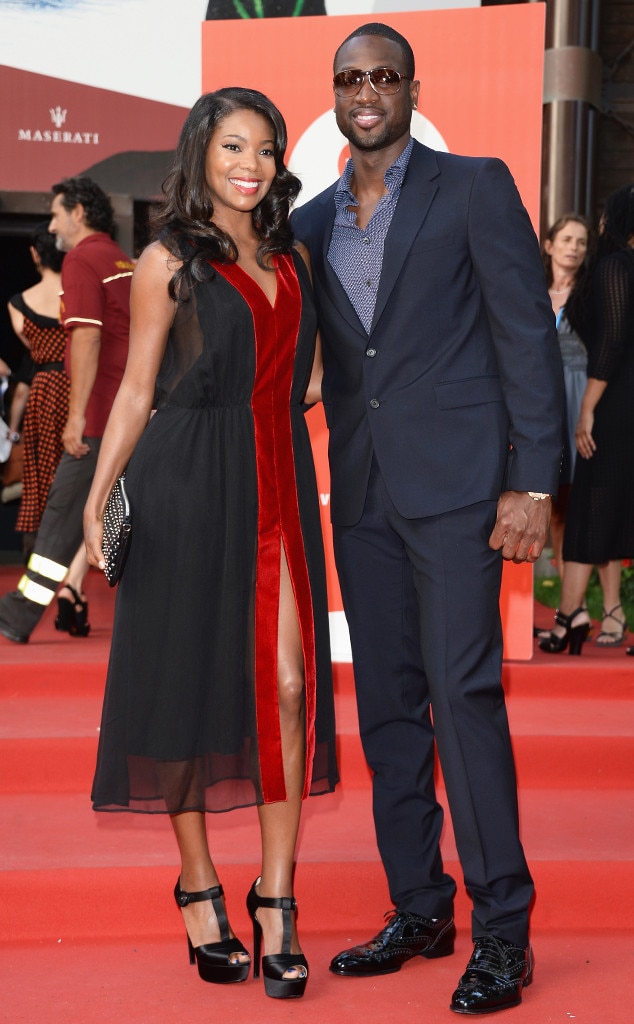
[
  {"x": 35, "y": 319},
  {"x": 34, "y": 316}
]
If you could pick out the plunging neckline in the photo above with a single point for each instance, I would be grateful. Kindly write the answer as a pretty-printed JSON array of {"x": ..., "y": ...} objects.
[{"x": 273, "y": 304}]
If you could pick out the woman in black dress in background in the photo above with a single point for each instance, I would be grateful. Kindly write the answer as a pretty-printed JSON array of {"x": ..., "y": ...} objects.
[
  {"x": 219, "y": 691},
  {"x": 600, "y": 520},
  {"x": 34, "y": 317}
]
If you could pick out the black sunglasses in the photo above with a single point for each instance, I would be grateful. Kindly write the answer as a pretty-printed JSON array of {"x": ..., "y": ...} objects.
[{"x": 385, "y": 81}]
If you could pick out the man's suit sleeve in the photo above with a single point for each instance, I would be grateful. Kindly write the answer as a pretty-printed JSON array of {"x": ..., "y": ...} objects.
[{"x": 508, "y": 264}]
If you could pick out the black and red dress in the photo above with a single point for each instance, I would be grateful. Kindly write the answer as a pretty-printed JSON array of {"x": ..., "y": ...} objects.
[
  {"x": 220, "y": 481},
  {"x": 45, "y": 414}
]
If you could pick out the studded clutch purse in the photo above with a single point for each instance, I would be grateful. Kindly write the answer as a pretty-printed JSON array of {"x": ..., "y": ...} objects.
[{"x": 117, "y": 529}]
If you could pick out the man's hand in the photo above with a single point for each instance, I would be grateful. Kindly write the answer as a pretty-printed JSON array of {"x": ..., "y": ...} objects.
[
  {"x": 73, "y": 436},
  {"x": 521, "y": 526},
  {"x": 84, "y": 361}
]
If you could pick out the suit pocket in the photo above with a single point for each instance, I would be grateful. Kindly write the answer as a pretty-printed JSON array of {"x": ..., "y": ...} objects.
[
  {"x": 455, "y": 394},
  {"x": 424, "y": 245}
]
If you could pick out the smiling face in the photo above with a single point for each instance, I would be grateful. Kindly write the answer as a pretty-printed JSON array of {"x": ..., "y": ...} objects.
[
  {"x": 368, "y": 120},
  {"x": 240, "y": 163},
  {"x": 568, "y": 248}
]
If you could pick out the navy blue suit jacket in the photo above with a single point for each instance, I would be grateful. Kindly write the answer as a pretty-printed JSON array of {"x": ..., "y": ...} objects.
[{"x": 458, "y": 387}]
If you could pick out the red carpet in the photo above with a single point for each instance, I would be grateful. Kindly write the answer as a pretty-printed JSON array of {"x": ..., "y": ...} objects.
[{"x": 89, "y": 931}]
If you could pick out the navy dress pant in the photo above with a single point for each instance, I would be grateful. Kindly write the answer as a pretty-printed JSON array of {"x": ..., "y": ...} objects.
[{"x": 421, "y": 598}]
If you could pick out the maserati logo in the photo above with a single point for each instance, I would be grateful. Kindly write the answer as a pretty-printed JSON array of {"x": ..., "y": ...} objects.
[
  {"x": 55, "y": 134},
  {"x": 58, "y": 116}
]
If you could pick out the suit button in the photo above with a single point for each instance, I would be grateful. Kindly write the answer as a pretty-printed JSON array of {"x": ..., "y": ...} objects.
[
  {"x": 371, "y": 352},
  {"x": 374, "y": 402}
]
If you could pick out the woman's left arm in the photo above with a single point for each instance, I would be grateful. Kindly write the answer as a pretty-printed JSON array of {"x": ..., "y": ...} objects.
[
  {"x": 583, "y": 431},
  {"x": 313, "y": 391},
  {"x": 612, "y": 294}
]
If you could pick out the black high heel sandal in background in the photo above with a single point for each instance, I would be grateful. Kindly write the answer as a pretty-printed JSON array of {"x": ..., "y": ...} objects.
[
  {"x": 275, "y": 965},
  {"x": 576, "y": 635},
  {"x": 72, "y": 616},
  {"x": 613, "y": 638},
  {"x": 213, "y": 959}
]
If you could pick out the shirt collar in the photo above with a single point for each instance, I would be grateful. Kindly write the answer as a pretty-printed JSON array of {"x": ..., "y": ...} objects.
[{"x": 393, "y": 178}]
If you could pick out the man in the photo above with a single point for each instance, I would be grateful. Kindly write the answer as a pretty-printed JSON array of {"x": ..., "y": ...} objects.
[
  {"x": 443, "y": 394},
  {"x": 96, "y": 277}
]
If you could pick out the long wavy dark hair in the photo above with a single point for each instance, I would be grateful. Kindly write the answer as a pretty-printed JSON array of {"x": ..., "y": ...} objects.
[
  {"x": 615, "y": 232},
  {"x": 183, "y": 222}
]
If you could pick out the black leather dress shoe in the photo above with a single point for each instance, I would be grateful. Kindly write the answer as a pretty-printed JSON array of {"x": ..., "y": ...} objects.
[
  {"x": 495, "y": 976},
  {"x": 404, "y": 936}
]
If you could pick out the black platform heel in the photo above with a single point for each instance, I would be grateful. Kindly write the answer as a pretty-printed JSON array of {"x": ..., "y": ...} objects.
[
  {"x": 213, "y": 959},
  {"x": 72, "y": 616},
  {"x": 575, "y": 636},
  {"x": 275, "y": 965}
]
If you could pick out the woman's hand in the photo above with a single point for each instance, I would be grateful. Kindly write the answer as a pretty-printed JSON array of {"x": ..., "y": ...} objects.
[
  {"x": 93, "y": 537},
  {"x": 583, "y": 434},
  {"x": 585, "y": 424}
]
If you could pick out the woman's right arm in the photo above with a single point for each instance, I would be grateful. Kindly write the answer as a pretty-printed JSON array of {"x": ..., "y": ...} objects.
[
  {"x": 151, "y": 314},
  {"x": 585, "y": 424},
  {"x": 17, "y": 323}
]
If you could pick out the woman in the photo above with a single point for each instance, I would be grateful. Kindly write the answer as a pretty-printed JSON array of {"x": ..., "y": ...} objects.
[
  {"x": 564, "y": 252},
  {"x": 600, "y": 520},
  {"x": 34, "y": 317},
  {"x": 219, "y": 692}
]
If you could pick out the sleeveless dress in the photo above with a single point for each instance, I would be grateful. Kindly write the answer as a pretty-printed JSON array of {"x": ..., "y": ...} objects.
[
  {"x": 600, "y": 520},
  {"x": 220, "y": 481},
  {"x": 45, "y": 414},
  {"x": 575, "y": 362}
]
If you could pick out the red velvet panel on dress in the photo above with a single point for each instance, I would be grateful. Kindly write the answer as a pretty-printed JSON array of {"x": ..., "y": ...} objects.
[{"x": 275, "y": 330}]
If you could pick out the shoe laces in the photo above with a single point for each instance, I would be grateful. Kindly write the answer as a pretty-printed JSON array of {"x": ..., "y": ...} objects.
[{"x": 491, "y": 954}]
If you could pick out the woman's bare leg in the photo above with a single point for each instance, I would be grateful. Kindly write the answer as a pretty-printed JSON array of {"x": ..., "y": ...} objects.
[
  {"x": 279, "y": 822},
  {"x": 573, "y": 593},
  {"x": 557, "y": 524},
  {"x": 610, "y": 579},
  {"x": 197, "y": 873},
  {"x": 75, "y": 576}
]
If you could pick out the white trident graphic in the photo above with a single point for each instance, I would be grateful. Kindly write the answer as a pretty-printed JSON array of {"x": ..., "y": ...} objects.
[{"x": 58, "y": 116}]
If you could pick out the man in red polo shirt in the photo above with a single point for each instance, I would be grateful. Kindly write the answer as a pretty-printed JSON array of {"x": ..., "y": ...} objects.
[{"x": 96, "y": 314}]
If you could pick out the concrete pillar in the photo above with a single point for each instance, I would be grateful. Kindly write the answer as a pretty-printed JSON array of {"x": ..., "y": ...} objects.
[{"x": 572, "y": 97}]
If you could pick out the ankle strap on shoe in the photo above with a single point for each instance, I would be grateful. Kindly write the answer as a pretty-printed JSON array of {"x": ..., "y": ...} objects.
[
  {"x": 215, "y": 895},
  {"x": 566, "y": 620},
  {"x": 610, "y": 614},
  {"x": 277, "y": 902},
  {"x": 184, "y": 898},
  {"x": 286, "y": 904}
]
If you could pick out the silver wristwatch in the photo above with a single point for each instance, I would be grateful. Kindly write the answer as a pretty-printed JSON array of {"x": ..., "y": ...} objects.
[{"x": 537, "y": 495}]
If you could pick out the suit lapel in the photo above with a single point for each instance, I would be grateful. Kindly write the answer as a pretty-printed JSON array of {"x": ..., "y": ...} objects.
[
  {"x": 325, "y": 275},
  {"x": 417, "y": 194}
]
